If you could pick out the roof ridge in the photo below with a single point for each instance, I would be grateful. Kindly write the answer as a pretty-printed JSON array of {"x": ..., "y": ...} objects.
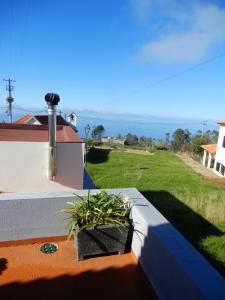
[{"x": 27, "y": 126}]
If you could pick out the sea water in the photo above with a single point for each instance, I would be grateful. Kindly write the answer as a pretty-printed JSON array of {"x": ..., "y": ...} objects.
[{"x": 148, "y": 126}]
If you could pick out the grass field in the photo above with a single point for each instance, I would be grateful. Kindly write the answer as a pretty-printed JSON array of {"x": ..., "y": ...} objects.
[{"x": 194, "y": 206}]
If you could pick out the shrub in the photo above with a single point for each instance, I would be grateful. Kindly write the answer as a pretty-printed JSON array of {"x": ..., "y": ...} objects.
[{"x": 99, "y": 209}]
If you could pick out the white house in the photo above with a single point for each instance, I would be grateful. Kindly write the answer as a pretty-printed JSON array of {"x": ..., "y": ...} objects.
[
  {"x": 24, "y": 155},
  {"x": 113, "y": 140},
  {"x": 72, "y": 119},
  {"x": 209, "y": 155},
  {"x": 219, "y": 166}
]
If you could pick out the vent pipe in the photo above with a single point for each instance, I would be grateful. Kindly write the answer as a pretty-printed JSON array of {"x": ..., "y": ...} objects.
[{"x": 52, "y": 101}]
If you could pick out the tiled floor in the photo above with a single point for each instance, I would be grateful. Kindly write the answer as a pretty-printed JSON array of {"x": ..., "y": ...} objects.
[{"x": 27, "y": 273}]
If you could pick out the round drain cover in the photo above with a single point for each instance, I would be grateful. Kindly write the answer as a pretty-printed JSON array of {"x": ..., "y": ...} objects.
[{"x": 49, "y": 248}]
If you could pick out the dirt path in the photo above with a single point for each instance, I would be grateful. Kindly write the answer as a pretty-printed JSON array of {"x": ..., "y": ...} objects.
[
  {"x": 199, "y": 168},
  {"x": 142, "y": 152},
  {"x": 196, "y": 166}
]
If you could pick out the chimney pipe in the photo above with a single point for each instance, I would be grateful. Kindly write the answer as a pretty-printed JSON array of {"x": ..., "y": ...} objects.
[{"x": 52, "y": 101}]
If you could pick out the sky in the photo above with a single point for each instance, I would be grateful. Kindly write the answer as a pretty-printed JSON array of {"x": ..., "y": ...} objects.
[{"x": 146, "y": 57}]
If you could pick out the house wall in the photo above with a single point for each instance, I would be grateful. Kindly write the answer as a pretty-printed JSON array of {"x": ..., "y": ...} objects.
[
  {"x": 70, "y": 164},
  {"x": 74, "y": 121},
  {"x": 112, "y": 140},
  {"x": 220, "y": 153},
  {"x": 24, "y": 167}
]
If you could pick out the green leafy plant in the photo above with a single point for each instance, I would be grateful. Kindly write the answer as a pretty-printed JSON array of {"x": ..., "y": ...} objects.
[{"x": 99, "y": 209}]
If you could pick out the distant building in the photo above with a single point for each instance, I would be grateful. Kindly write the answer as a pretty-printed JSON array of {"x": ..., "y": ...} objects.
[
  {"x": 219, "y": 166},
  {"x": 112, "y": 140},
  {"x": 24, "y": 153},
  {"x": 72, "y": 119},
  {"x": 214, "y": 154},
  {"x": 40, "y": 120},
  {"x": 209, "y": 155}
]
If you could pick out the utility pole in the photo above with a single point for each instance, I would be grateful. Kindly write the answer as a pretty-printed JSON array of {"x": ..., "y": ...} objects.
[
  {"x": 9, "y": 99},
  {"x": 204, "y": 123}
]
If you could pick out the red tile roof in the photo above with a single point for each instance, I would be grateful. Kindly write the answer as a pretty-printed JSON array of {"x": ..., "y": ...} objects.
[
  {"x": 222, "y": 122},
  {"x": 24, "y": 119},
  {"x": 210, "y": 148},
  {"x": 36, "y": 133}
]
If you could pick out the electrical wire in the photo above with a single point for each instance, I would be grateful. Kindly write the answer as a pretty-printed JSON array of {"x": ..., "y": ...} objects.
[{"x": 158, "y": 82}]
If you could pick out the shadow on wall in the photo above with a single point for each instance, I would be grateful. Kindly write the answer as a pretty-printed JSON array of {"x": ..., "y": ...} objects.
[
  {"x": 175, "y": 269},
  {"x": 193, "y": 226},
  {"x": 123, "y": 283},
  {"x": 97, "y": 156},
  {"x": 3, "y": 265}
]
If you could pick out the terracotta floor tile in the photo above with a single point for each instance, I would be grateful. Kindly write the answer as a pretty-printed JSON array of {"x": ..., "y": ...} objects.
[{"x": 25, "y": 271}]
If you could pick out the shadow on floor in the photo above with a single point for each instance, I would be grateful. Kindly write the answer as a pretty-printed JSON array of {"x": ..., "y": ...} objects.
[
  {"x": 3, "y": 265},
  {"x": 193, "y": 226},
  {"x": 97, "y": 156},
  {"x": 123, "y": 283},
  {"x": 87, "y": 182}
]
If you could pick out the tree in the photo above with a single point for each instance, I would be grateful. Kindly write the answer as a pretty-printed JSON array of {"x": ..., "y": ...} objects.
[
  {"x": 167, "y": 139},
  {"x": 180, "y": 138},
  {"x": 97, "y": 132},
  {"x": 214, "y": 136},
  {"x": 209, "y": 137},
  {"x": 131, "y": 139},
  {"x": 142, "y": 141},
  {"x": 196, "y": 143},
  {"x": 187, "y": 136},
  {"x": 149, "y": 141}
]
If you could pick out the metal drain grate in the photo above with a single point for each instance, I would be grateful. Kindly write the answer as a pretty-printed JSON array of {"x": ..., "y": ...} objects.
[{"x": 49, "y": 248}]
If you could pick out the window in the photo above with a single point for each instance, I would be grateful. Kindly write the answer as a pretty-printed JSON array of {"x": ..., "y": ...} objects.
[
  {"x": 217, "y": 167},
  {"x": 224, "y": 142},
  {"x": 222, "y": 170}
]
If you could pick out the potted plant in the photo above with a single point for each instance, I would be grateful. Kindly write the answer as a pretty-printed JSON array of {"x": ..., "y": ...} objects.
[{"x": 101, "y": 224}]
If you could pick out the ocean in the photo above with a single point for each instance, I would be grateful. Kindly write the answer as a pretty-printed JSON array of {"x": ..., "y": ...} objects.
[
  {"x": 148, "y": 126},
  {"x": 151, "y": 127}
]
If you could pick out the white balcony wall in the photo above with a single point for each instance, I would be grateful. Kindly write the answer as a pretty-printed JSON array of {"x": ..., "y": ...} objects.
[
  {"x": 70, "y": 165},
  {"x": 24, "y": 167}
]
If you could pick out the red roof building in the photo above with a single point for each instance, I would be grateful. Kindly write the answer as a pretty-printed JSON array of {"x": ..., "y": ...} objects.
[
  {"x": 24, "y": 158},
  {"x": 36, "y": 133},
  {"x": 211, "y": 148},
  {"x": 40, "y": 119}
]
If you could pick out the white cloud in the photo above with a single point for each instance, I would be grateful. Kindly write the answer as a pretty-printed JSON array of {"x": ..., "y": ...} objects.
[{"x": 187, "y": 34}]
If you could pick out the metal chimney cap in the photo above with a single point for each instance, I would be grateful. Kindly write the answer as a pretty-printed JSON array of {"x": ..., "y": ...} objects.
[{"x": 52, "y": 99}]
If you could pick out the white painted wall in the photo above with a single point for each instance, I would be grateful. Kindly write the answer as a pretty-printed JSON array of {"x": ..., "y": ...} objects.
[
  {"x": 72, "y": 121},
  {"x": 24, "y": 167},
  {"x": 174, "y": 268},
  {"x": 220, "y": 153},
  {"x": 70, "y": 164}
]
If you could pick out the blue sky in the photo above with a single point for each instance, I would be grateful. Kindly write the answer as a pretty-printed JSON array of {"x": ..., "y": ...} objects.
[{"x": 112, "y": 55}]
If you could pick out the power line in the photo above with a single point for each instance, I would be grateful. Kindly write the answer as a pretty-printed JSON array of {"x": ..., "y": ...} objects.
[
  {"x": 183, "y": 71},
  {"x": 191, "y": 68}
]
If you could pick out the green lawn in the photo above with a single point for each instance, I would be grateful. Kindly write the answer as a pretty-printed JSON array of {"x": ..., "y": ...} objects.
[{"x": 195, "y": 207}]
